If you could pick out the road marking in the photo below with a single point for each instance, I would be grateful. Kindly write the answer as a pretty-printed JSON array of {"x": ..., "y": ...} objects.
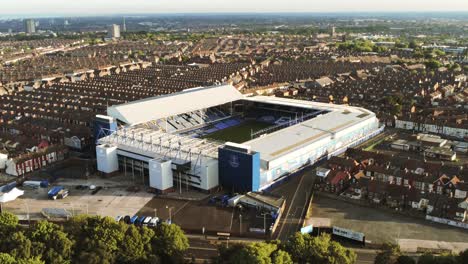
[
  {"x": 305, "y": 205},
  {"x": 182, "y": 207},
  {"x": 289, "y": 209},
  {"x": 364, "y": 261},
  {"x": 202, "y": 248}
]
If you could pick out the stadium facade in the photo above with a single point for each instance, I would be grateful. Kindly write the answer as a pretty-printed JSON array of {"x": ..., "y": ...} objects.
[{"x": 181, "y": 140}]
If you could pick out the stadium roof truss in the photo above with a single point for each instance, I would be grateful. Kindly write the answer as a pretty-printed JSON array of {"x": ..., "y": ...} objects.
[{"x": 157, "y": 144}]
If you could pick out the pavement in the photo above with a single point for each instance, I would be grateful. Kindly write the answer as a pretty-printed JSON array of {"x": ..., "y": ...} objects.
[
  {"x": 416, "y": 245},
  {"x": 113, "y": 200},
  {"x": 382, "y": 226}
]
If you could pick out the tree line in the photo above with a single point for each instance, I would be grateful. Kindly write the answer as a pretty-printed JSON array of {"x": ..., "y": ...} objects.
[
  {"x": 89, "y": 239},
  {"x": 299, "y": 248},
  {"x": 96, "y": 240}
]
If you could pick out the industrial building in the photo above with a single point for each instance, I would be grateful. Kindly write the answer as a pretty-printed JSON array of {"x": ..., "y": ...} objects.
[{"x": 172, "y": 142}]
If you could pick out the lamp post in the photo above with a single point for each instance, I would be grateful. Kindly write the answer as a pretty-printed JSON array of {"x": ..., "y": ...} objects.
[
  {"x": 264, "y": 221},
  {"x": 240, "y": 224},
  {"x": 170, "y": 213},
  {"x": 27, "y": 212}
]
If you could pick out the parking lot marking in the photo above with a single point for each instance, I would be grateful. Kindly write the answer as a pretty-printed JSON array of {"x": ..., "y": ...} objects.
[{"x": 182, "y": 207}]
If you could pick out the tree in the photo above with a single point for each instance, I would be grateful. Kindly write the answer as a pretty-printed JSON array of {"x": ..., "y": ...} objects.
[
  {"x": 463, "y": 257},
  {"x": 405, "y": 260},
  {"x": 439, "y": 52},
  {"x": 7, "y": 259},
  {"x": 30, "y": 261},
  {"x": 95, "y": 235},
  {"x": 169, "y": 242},
  {"x": 433, "y": 64},
  {"x": 305, "y": 248},
  {"x": 233, "y": 254},
  {"x": 98, "y": 255},
  {"x": 413, "y": 44},
  {"x": 8, "y": 222},
  {"x": 389, "y": 254},
  {"x": 8, "y": 228},
  {"x": 50, "y": 242},
  {"x": 261, "y": 253},
  {"x": 281, "y": 257},
  {"x": 427, "y": 259},
  {"x": 442, "y": 259},
  {"x": 136, "y": 246},
  {"x": 455, "y": 67},
  {"x": 19, "y": 245},
  {"x": 297, "y": 247}
]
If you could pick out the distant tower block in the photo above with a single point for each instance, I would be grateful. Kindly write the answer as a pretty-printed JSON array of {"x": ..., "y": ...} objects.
[
  {"x": 124, "y": 26},
  {"x": 333, "y": 31},
  {"x": 114, "y": 31},
  {"x": 29, "y": 26}
]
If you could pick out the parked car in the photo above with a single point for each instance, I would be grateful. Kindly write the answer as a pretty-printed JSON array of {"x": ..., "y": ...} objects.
[
  {"x": 154, "y": 222},
  {"x": 62, "y": 194},
  {"x": 133, "y": 219},
  {"x": 140, "y": 220},
  {"x": 57, "y": 192},
  {"x": 147, "y": 220},
  {"x": 119, "y": 218}
]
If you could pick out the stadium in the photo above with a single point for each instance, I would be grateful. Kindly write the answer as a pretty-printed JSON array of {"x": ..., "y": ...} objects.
[{"x": 211, "y": 137}]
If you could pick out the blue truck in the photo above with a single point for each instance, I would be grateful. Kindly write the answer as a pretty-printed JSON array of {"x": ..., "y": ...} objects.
[{"x": 57, "y": 192}]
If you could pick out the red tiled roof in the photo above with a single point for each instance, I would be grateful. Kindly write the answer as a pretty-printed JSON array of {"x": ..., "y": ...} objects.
[{"x": 341, "y": 175}]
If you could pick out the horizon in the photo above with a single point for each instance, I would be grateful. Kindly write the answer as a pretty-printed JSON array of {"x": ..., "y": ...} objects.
[
  {"x": 50, "y": 8},
  {"x": 298, "y": 13}
]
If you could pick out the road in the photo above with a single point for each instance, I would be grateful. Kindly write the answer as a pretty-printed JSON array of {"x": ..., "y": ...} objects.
[{"x": 296, "y": 191}]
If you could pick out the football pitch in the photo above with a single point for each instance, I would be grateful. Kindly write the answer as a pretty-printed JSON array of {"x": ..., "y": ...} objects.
[{"x": 239, "y": 133}]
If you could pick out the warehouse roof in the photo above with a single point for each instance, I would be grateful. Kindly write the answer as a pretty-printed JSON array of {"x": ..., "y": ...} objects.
[{"x": 173, "y": 104}]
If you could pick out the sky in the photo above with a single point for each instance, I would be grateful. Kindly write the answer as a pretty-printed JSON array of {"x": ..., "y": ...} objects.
[{"x": 106, "y": 7}]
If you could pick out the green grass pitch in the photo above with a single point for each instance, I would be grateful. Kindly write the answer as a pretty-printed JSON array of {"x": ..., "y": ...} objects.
[{"x": 238, "y": 134}]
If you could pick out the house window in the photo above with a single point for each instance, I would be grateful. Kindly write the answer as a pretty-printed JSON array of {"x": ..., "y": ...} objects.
[{"x": 398, "y": 180}]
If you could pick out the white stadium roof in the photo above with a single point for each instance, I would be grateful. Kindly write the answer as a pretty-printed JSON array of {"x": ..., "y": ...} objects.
[
  {"x": 325, "y": 126},
  {"x": 173, "y": 104}
]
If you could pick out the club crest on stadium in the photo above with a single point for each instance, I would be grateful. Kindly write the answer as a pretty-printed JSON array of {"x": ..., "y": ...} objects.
[{"x": 234, "y": 161}]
